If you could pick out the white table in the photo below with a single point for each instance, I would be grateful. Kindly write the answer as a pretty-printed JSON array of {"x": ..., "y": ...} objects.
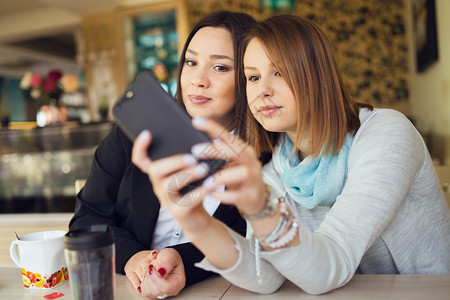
[
  {"x": 363, "y": 287},
  {"x": 11, "y": 288},
  {"x": 410, "y": 287}
]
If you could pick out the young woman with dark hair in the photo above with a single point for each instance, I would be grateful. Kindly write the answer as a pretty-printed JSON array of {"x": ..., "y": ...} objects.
[{"x": 117, "y": 193}]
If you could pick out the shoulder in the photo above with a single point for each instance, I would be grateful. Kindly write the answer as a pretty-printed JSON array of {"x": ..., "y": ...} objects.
[
  {"x": 387, "y": 135},
  {"x": 120, "y": 136},
  {"x": 114, "y": 149},
  {"x": 386, "y": 125},
  {"x": 116, "y": 140},
  {"x": 384, "y": 118}
]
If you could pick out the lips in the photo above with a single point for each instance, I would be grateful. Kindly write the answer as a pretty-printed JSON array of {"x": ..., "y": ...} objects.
[
  {"x": 268, "y": 110},
  {"x": 199, "y": 100}
]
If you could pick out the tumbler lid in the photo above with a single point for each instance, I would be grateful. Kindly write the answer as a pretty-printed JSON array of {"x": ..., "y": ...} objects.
[{"x": 95, "y": 236}]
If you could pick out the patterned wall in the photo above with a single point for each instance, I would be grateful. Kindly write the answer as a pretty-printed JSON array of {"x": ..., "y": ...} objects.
[{"x": 368, "y": 37}]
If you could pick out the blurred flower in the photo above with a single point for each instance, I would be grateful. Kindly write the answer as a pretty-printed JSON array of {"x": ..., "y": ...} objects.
[
  {"x": 70, "y": 83},
  {"x": 35, "y": 93},
  {"x": 54, "y": 75},
  {"x": 25, "y": 82},
  {"x": 48, "y": 90},
  {"x": 49, "y": 85},
  {"x": 36, "y": 81}
]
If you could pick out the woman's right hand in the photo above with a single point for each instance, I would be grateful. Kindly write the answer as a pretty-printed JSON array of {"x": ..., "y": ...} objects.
[
  {"x": 168, "y": 176},
  {"x": 242, "y": 177}
]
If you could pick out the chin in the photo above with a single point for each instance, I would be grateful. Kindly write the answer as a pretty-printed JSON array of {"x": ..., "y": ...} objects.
[
  {"x": 198, "y": 113},
  {"x": 271, "y": 128}
]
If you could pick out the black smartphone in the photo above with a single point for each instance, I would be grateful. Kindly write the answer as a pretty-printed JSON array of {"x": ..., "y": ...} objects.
[{"x": 146, "y": 105}]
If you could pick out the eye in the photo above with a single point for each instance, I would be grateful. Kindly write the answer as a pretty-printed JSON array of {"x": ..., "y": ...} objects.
[
  {"x": 253, "y": 78},
  {"x": 190, "y": 62},
  {"x": 221, "y": 68},
  {"x": 277, "y": 73}
]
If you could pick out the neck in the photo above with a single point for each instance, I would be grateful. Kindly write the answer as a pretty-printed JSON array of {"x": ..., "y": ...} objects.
[{"x": 303, "y": 148}]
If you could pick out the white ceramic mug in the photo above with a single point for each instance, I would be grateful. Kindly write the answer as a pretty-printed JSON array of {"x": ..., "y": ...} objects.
[{"x": 41, "y": 257}]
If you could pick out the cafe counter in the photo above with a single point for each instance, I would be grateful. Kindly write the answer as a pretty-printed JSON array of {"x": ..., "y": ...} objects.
[{"x": 39, "y": 166}]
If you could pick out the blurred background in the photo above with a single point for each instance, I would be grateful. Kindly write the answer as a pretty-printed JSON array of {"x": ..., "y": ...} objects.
[{"x": 64, "y": 63}]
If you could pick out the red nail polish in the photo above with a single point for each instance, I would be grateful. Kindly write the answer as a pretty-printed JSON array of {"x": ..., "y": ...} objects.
[
  {"x": 154, "y": 254},
  {"x": 162, "y": 271},
  {"x": 139, "y": 289},
  {"x": 150, "y": 269}
]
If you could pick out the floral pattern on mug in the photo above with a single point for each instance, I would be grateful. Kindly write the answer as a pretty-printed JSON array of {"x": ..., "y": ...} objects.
[{"x": 31, "y": 279}]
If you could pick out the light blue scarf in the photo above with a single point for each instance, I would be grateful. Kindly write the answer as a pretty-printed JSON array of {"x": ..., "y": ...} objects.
[{"x": 315, "y": 182}]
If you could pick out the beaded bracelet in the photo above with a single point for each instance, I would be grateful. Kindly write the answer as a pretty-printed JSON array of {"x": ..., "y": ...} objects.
[
  {"x": 283, "y": 234},
  {"x": 285, "y": 230}
]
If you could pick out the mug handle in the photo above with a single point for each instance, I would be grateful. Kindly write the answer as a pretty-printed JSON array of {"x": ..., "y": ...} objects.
[{"x": 13, "y": 253}]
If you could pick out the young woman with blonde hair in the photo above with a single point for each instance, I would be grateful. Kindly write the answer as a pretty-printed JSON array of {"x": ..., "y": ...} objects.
[{"x": 350, "y": 189}]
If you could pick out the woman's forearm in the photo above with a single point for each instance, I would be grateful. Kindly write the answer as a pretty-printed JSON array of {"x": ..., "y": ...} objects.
[
  {"x": 243, "y": 272},
  {"x": 214, "y": 240}
]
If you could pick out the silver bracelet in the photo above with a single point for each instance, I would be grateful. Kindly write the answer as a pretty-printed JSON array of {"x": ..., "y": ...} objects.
[
  {"x": 283, "y": 234},
  {"x": 287, "y": 237},
  {"x": 285, "y": 230},
  {"x": 270, "y": 206}
]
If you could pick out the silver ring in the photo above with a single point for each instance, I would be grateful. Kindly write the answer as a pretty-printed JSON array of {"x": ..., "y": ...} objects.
[{"x": 163, "y": 296}]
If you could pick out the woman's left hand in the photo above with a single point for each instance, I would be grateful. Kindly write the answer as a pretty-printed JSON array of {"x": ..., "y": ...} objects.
[
  {"x": 165, "y": 275},
  {"x": 137, "y": 266},
  {"x": 242, "y": 176}
]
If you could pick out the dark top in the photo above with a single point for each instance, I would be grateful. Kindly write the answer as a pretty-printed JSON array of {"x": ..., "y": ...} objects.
[{"x": 119, "y": 194}]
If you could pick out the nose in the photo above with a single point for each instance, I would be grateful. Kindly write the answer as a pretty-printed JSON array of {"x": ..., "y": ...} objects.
[
  {"x": 264, "y": 91},
  {"x": 263, "y": 94},
  {"x": 200, "y": 79}
]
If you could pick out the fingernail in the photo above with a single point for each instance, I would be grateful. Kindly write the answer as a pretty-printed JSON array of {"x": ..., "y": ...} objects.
[
  {"x": 150, "y": 269},
  {"x": 201, "y": 169},
  {"x": 139, "y": 289},
  {"x": 154, "y": 254},
  {"x": 208, "y": 183},
  {"x": 199, "y": 149},
  {"x": 199, "y": 122},
  {"x": 162, "y": 271},
  {"x": 189, "y": 160},
  {"x": 144, "y": 135}
]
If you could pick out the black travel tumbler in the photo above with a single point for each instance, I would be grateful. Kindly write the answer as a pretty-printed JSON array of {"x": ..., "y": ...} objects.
[{"x": 90, "y": 257}]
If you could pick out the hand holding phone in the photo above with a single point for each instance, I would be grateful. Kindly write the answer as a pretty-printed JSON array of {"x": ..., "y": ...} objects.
[{"x": 146, "y": 105}]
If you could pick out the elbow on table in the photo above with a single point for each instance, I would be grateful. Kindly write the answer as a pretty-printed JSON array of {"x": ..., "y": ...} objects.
[
  {"x": 319, "y": 289},
  {"x": 264, "y": 288},
  {"x": 272, "y": 288},
  {"x": 316, "y": 292}
]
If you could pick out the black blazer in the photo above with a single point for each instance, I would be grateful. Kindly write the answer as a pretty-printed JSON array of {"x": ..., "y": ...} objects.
[{"x": 119, "y": 194}]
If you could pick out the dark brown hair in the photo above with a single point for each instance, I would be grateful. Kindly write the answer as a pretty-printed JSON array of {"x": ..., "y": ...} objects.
[
  {"x": 238, "y": 24},
  {"x": 301, "y": 52}
]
